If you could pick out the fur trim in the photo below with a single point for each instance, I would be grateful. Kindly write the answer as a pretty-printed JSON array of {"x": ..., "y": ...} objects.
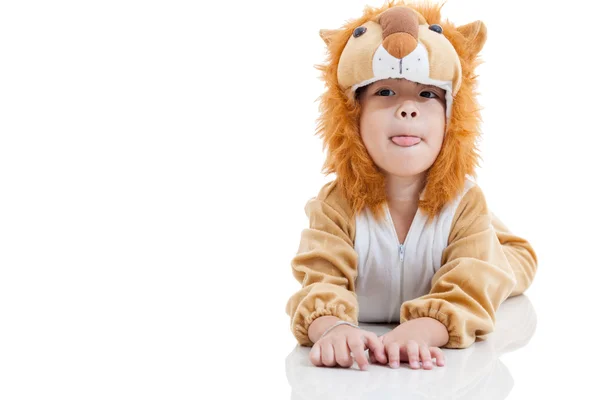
[{"x": 362, "y": 182}]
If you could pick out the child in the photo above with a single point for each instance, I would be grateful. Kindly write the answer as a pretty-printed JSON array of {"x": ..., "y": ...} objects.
[{"x": 403, "y": 234}]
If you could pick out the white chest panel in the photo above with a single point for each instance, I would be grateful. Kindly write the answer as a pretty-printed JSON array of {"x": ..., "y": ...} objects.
[{"x": 389, "y": 272}]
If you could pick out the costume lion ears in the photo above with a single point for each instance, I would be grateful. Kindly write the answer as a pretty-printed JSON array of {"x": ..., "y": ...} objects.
[{"x": 399, "y": 41}]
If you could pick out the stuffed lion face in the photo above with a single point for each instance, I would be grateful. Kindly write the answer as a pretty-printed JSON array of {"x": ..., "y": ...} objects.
[
  {"x": 400, "y": 40},
  {"x": 399, "y": 43}
]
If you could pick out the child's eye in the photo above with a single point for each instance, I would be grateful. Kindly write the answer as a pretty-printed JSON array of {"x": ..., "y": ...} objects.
[
  {"x": 385, "y": 90},
  {"x": 389, "y": 92},
  {"x": 433, "y": 95}
]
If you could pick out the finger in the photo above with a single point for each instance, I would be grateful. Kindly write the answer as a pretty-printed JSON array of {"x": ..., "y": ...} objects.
[
  {"x": 315, "y": 355},
  {"x": 425, "y": 356},
  {"x": 412, "y": 348},
  {"x": 393, "y": 353},
  {"x": 377, "y": 356},
  {"x": 376, "y": 346},
  {"x": 357, "y": 345},
  {"x": 437, "y": 353},
  {"x": 342, "y": 352},
  {"x": 327, "y": 354},
  {"x": 372, "y": 358}
]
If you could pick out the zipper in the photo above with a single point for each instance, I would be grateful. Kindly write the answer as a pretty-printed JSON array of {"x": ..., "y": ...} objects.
[
  {"x": 401, "y": 251},
  {"x": 402, "y": 272}
]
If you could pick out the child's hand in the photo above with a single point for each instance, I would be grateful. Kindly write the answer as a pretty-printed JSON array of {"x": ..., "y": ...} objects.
[
  {"x": 403, "y": 343},
  {"x": 334, "y": 348}
]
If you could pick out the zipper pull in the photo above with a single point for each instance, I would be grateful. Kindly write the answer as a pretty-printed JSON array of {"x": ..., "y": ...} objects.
[{"x": 401, "y": 252}]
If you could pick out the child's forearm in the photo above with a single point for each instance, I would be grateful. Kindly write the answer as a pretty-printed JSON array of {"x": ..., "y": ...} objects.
[
  {"x": 320, "y": 325},
  {"x": 439, "y": 333},
  {"x": 431, "y": 330}
]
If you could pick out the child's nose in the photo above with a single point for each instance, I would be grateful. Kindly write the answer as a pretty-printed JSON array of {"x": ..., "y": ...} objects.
[{"x": 407, "y": 111}]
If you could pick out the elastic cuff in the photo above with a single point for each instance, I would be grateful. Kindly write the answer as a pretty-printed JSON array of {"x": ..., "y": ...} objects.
[{"x": 301, "y": 327}]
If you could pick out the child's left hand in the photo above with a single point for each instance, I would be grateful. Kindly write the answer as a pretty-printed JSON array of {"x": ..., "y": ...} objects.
[{"x": 406, "y": 343}]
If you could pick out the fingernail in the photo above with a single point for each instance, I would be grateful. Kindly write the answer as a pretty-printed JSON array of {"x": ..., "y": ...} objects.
[
  {"x": 414, "y": 364},
  {"x": 427, "y": 364},
  {"x": 364, "y": 367},
  {"x": 395, "y": 364}
]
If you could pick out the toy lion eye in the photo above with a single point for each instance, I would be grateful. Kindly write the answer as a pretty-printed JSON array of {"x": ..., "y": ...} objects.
[
  {"x": 436, "y": 28},
  {"x": 359, "y": 31}
]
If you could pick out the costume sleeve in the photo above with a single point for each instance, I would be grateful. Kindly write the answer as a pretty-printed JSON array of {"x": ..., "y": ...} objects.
[
  {"x": 325, "y": 265},
  {"x": 520, "y": 254},
  {"x": 474, "y": 279}
]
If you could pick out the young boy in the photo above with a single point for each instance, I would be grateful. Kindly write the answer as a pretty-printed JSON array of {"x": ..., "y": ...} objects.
[{"x": 403, "y": 234}]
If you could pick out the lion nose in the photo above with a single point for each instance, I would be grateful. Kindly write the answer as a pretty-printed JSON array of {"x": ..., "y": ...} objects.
[
  {"x": 400, "y": 44},
  {"x": 400, "y": 27}
]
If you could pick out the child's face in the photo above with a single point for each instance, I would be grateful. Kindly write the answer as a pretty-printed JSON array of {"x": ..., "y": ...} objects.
[{"x": 394, "y": 107}]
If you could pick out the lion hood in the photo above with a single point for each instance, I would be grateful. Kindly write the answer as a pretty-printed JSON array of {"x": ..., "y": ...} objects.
[{"x": 400, "y": 40}]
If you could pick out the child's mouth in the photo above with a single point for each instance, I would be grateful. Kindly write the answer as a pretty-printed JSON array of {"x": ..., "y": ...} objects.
[{"x": 406, "y": 140}]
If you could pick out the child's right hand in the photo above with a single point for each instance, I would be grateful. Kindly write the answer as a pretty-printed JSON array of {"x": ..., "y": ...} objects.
[{"x": 334, "y": 348}]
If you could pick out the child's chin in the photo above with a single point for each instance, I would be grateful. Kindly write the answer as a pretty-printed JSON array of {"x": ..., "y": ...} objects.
[{"x": 405, "y": 171}]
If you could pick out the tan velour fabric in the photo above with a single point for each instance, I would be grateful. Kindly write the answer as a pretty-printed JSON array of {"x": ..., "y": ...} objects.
[
  {"x": 483, "y": 264},
  {"x": 481, "y": 268},
  {"x": 326, "y": 264}
]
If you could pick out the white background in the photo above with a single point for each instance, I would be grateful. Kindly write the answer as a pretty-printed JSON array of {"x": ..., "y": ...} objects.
[{"x": 156, "y": 156}]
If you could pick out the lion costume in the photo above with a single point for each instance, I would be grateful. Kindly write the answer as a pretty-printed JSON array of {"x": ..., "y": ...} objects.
[{"x": 459, "y": 262}]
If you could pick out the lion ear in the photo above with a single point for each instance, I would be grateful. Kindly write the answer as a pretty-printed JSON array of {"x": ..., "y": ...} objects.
[
  {"x": 476, "y": 34},
  {"x": 328, "y": 34}
]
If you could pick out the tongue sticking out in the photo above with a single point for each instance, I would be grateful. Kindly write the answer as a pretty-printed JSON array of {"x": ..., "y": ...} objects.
[{"x": 406, "y": 140}]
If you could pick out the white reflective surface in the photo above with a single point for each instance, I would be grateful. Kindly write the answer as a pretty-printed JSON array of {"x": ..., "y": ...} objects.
[{"x": 473, "y": 373}]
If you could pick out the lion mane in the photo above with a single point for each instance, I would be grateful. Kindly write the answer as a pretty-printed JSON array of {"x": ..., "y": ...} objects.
[{"x": 360, "y": 180}]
